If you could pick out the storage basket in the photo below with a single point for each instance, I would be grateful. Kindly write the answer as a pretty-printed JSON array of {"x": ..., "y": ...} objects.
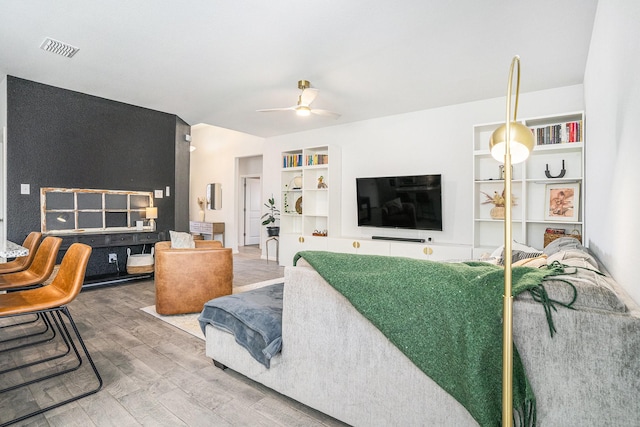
[
  {"x": 550, "y": 237},
  {"x": 140, "y": 263}
]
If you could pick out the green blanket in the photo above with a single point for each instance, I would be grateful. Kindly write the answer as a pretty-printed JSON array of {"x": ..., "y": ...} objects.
[{"x": 445, "y": 317}]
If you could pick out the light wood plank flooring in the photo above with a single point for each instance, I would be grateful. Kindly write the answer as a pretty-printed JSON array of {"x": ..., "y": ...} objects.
[{"x": 154, "y": 374}]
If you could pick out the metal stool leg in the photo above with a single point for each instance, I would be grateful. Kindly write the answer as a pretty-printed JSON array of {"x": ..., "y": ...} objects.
[{"x": 56, "y": 315}]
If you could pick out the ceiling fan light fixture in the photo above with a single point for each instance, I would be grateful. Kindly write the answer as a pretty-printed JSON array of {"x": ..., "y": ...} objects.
[
  {"x": 303, "y": 84},
  {"x": 303, "y": 111},
  {"x": 303, "y": 107}
]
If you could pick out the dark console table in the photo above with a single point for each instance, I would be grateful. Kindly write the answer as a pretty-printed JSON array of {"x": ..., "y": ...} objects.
[{"x": 99, "y": 270}]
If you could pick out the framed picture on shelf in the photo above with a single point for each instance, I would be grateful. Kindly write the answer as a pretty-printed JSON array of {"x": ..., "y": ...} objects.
[{"x": 562, "y": 202}]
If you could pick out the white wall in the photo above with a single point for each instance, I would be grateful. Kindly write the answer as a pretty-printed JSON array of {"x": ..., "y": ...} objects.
[
  {"x": 439, "y": 141},
  {"x": 612, "y": 99},
  {"x": 250, "y": 166},
  {"x": 425, "y": 142},
  {"x": 217, "y": 159},
  {"x": 429, "y": 141}
]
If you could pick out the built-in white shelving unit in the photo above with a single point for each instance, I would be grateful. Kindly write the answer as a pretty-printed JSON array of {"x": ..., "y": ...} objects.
[
  {"x": 559, "y": 146},
  {"x": 310, "y": 199},
  {"x": 310, "y": 215}
]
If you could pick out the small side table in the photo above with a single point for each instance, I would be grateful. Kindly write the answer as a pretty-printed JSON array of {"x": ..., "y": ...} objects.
[
  {"x": 266, "y": 243},
  {"x": 209, "y": 228}
]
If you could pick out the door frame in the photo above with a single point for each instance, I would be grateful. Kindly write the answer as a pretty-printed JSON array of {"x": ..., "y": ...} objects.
[{"x": 242, "y": 207}]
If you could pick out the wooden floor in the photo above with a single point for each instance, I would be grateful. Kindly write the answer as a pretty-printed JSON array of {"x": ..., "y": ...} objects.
[{"x": 154, "y": 374}]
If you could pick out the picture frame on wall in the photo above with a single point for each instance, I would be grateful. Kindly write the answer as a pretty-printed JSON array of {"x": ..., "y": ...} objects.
[{"x": 562, "y": 202}]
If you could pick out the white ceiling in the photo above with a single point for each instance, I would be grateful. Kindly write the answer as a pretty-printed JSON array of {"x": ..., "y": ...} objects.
[{"x": 218, "y": 61}]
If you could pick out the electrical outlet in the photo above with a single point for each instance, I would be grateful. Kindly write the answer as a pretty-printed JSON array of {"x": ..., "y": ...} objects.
[{"x": 113, "y": 258}]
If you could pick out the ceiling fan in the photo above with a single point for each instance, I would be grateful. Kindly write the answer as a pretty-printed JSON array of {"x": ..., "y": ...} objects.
[{"x": 303, "y": 107}]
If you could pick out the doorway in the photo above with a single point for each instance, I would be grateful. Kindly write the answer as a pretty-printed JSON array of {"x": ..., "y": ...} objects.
[{"x": 252, "y": 209}]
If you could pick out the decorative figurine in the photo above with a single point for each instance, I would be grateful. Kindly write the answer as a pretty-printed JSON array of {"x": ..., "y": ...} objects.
[{"x": 560, "y": 175}]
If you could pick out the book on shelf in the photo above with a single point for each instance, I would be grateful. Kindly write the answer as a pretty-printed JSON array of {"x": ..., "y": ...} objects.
[
  {"x": 555, "y": 231},
  {"x": 317, "y": 159},
  {"x": 291, "y": 160},
  {"x": 296, "y": 160},
  {"x": 560, "y": 133}
]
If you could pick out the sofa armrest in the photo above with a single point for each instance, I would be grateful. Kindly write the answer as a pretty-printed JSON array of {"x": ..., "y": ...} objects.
[{"x": 187, "y": 278}]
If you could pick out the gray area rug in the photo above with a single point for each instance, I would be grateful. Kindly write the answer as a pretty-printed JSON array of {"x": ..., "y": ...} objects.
[{"x": 189, "y": 322}]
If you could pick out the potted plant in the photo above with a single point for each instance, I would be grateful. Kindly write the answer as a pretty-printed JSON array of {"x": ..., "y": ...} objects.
[
  {"x": 498, "y": 202},
  {"x": 270, "y": 218}
]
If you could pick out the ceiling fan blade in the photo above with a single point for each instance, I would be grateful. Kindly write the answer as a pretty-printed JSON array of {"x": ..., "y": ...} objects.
[
  {"x": 307, "y": 96},
  {"x": 270, "y": 110},
  {"x": 324, "y": 113}
]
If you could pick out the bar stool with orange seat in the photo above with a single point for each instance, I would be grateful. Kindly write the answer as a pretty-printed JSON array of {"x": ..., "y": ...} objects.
[
  {"x": 52, "y": 300},
  {"x": 22, "y": 263},
  {"x": 39, "y": 270}
]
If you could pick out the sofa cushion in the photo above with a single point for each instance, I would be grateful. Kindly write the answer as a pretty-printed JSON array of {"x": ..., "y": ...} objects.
[
  {"x": 594, "y": 289},
  {"x": 563, "y": 244},
  {"x": 180, "y": 240},
  {"x": 535, "y": 262},
  {"x": 518, "y": 253}
]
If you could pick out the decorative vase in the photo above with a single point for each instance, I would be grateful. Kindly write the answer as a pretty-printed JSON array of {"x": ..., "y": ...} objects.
[
  {"x": 201, "y": 215},
  {"x": 497, "y": 212}
]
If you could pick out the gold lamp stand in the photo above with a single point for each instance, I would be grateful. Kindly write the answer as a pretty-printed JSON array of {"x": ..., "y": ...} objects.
[{"x": 511, "y": 143}]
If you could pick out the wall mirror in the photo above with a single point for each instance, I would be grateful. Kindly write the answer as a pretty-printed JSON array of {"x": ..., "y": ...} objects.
[
  {"x": 214, "y": 196},
  {"x": 78, "y": 210}
]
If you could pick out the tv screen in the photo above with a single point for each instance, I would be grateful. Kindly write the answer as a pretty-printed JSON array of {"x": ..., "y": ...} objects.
[{"x": 411, "y": 201}]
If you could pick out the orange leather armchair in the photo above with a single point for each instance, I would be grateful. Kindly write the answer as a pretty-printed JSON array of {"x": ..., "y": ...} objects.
[{"x": 185, "y": 279}]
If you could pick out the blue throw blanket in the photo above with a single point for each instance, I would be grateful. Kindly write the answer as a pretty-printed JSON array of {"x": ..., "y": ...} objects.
[{"x": 253, "y": 317}]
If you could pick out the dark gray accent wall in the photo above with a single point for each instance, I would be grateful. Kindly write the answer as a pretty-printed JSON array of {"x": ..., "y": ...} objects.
[
  {"x": 183, "y": 159},
  {"x": 61, "y": 138}
]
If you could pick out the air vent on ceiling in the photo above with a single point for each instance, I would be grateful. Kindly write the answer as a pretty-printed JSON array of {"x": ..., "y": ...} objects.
[{"x": 61, "y": 48}]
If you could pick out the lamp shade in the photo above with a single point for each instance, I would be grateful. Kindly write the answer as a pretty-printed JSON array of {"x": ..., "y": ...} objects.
[
  {"x": 521, "y": 142},
  {"x": 151, "y": 213}
]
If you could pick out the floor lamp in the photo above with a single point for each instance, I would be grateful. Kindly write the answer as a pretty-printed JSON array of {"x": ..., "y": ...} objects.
[{"x": 511, "y": 150}]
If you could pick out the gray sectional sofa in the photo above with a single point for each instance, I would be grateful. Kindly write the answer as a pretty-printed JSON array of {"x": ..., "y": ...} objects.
[{"x": 336, "y": 361}]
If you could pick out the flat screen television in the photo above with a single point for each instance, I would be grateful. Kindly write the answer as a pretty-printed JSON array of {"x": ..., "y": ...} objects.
[{"x": 410, "y": 201}]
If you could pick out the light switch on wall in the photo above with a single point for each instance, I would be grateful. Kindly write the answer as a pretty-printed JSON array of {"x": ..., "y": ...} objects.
[
  {"x": 25, "y": 189},
  {"x": 157, "y": 194},
  {"x": 167, "y": 191}
]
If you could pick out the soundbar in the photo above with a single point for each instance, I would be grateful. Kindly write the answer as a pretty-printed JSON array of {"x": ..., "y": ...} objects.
[{"x": 400, "y": 239}]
